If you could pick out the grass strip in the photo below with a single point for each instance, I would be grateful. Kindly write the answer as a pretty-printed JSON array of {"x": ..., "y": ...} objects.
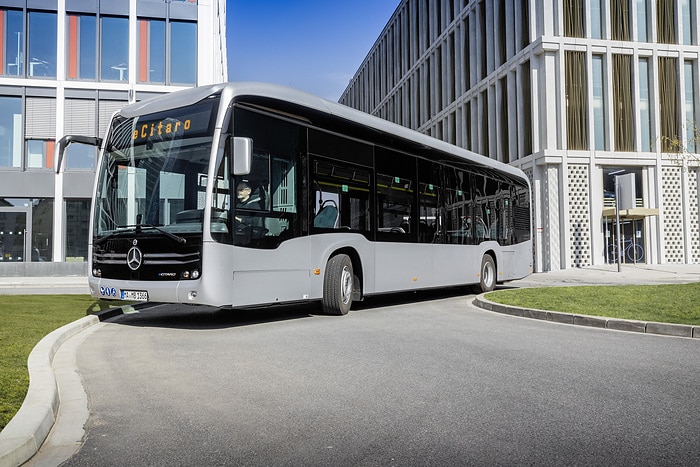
[
  {"x": 673, "y": 303},
  {"x": 24, "y": 321}
]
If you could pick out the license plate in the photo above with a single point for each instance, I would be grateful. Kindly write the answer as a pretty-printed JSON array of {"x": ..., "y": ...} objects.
[{"x": 135, "y": 295}]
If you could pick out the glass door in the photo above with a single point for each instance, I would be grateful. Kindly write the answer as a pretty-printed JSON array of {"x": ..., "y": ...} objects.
[
  {"x": 632, "y": 241},
  {"x": 15, "y": 235}
]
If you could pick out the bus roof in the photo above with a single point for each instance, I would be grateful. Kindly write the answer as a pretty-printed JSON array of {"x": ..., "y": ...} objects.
[{"x": 272, "y": 91}]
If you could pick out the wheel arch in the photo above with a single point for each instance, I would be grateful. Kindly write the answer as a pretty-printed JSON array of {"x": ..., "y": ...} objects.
[{"x": 494, "y": 256}]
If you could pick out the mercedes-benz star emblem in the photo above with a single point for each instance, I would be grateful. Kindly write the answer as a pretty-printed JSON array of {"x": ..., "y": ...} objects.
[{"x": 134, "y": 258}]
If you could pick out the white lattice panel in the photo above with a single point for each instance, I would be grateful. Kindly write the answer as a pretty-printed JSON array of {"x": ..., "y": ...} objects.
[
  {"x": 551, "y": 220},
  {"x": 694, "y": 215},
  {"x": 579, "y": 216},
  {"x": 673, "y": 214}
]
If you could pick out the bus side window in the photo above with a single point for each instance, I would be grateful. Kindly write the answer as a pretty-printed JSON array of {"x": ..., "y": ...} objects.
[
  {"x": 341, "y": 196},
  {"x": 396, "y": 196},
  {"x": 429, "y": 199}
]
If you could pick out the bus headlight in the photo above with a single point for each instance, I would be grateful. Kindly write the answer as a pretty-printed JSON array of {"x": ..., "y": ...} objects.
[
  {"x": 190, "y": 274},
  {"x": 97, "y": 272}
]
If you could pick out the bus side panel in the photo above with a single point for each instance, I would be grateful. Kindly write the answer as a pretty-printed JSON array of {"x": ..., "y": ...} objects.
[
  {"x": 403, "y": 266},
  {"x": 516, "y": 262},
  {"x": 271, "y": 276},
  {"x": 217, "y": 264},
  {"x": 456, "y": 264}
]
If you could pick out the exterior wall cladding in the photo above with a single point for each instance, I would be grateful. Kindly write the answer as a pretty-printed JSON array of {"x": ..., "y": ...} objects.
[
  {"x": 65, "y": 67},
  {"x": 573, "y": 92}
]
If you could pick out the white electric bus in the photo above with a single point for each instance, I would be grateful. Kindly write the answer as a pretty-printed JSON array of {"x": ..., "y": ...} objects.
[{"x": 244, "y": 194}]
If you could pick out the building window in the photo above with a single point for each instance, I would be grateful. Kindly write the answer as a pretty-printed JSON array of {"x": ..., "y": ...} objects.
[
  {"x": 526, "y": 114},
  {"x": 598, "y": 73},
  {"x": 10, "y": 131},
  {"x": 42, "y": 44},
  {"x": 183, "y": 52},
  {"x": 622, "y": 102},
  {"x": 691, "y": 129},
  {"x": 668, "y": 104},
  {"x": 81, "y": 47},
  {"x": 151, "y": 51},
  {"x": 77, "y": 225},
  {"x": 644, "y": 104},
  {"x": 12, "y": 42},
  {"x": 40, "y": 154},
  {"x": 666, "y": 21},
  {"x": 642, "y": 21},
  {"x": 596, "y": 19},
  {"x": 620, "y": 20},
  {"x": 573, "y": 18},
  {"x": 42, "y": 228},
  {"x": 80, "y": 117},
  {"x": 576, "y": 100},
  {"x": 114, "y": 50},
  {"x": 687, "y": 15}
]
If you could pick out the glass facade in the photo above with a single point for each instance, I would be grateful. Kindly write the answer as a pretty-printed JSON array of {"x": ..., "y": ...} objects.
[
  {"x": 77, "y": 224},
  {"x": 71, "y": 85},
  {"x": 11, "y": 35},
  {"x": 10, "y": 132},
  {"x": 81, "y": 47},
  {"x": 151, "y": 51},
  {"x": 183, "y": 52},
  {"x": 26, "y": 227},
  {"x": 598, "y": 103},
  {"x": 114, "y": 50},
  {"x": 41, "y": 61}
]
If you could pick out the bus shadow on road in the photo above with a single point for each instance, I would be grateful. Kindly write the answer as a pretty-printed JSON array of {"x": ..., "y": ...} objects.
[
  {"x": 203, "y": 317},
  {"x": 180, "y": 316}
]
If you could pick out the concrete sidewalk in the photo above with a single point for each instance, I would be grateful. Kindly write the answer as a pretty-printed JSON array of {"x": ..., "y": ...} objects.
[
  {"x": 607, "y": 274},
  {"x": 52, "y": 285}
]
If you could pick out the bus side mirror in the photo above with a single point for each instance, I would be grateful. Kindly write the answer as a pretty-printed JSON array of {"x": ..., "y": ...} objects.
[
  {"x": 64, "y": 142},
  {"x": 242, "y": 150}
]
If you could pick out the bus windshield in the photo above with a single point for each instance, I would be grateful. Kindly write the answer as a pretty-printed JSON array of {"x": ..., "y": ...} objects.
[{"x": 153, "y": 175}]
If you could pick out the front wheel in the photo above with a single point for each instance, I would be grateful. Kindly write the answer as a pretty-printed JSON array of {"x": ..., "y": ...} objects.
[
  {"x": 487, "y": 280},
  {"x": 338, "y": 286}
]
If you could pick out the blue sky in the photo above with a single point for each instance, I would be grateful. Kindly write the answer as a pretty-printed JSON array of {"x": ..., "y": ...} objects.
[{"x": 313, "y": 45}]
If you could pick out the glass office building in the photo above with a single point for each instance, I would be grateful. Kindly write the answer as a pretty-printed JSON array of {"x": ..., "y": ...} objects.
[
  {"x": 65, "y": 67},
  {"x": 573, "y": 92}
]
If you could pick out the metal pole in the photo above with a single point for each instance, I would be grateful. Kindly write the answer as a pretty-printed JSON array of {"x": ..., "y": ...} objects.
[{"x": 617, "y": 219}]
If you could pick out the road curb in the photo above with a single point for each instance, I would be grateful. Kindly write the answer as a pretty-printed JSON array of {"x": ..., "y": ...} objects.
[
  {"x": 21, "y": 439},
  {"x": 646, "y": 327}
]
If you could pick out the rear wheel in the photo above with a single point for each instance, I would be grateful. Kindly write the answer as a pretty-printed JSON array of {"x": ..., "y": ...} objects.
[
  {"x": 487, "y": 274},
  {"x": 338, "y": 285},
  {"x": 636, "y": 253}
]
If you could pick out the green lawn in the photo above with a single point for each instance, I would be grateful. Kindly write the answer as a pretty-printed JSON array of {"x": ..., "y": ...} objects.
[
  {"x": 24, "y": 321},
  {"x": 676, "y": 303}
]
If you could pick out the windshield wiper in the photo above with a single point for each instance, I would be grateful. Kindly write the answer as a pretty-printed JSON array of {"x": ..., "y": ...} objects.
[{"x": 138, "y": 228}]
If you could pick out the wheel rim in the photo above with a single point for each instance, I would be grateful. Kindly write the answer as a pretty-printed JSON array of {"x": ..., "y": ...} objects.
[
  {"x": 488, "y": 275},
  {"x": 346, "y": 285}
]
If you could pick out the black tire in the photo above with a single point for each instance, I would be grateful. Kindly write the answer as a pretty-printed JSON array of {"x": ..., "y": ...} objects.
[
  {"x": 487, "y": 274},
  {"x": 338, "y": 284}
]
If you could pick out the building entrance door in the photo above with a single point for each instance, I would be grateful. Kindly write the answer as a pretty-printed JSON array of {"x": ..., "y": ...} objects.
[
  {"x": 632, "y": 233},
  {"x": 15, "y": 235}
]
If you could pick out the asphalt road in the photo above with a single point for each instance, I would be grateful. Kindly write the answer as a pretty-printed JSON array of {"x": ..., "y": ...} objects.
[{"x": 433, "y": 382}]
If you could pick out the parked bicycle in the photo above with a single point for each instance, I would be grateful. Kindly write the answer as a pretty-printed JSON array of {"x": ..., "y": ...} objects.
[{"x": 634, "y": 252}]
